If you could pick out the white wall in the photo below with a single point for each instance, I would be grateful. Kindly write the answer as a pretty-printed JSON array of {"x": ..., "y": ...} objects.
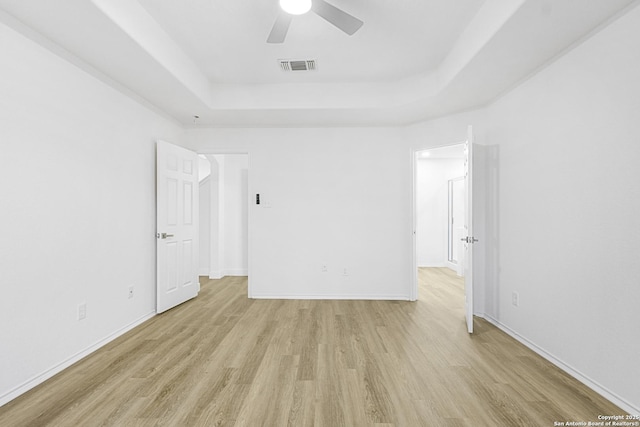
[
  {"x": 204, "y": 168},
  {"x": 235, "y": 255},
  {"x": 565, "y": 150},
  {"x": 205, "y": 226},
  {"x": 338, "y": 197},
  {"x": 558, "y": 209},
  {"x": 77, "y": 185},
  {"x": 432, "y": 209}
]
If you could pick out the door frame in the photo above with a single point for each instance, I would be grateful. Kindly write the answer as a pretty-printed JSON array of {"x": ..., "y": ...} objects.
[{"x": 221, "y": 151}]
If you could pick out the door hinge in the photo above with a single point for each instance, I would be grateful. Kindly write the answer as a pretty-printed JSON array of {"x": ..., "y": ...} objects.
[{"x": 469, "y": 239}]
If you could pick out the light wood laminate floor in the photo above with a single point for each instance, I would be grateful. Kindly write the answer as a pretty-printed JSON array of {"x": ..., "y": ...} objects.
[{"x": 223, "y": 359}]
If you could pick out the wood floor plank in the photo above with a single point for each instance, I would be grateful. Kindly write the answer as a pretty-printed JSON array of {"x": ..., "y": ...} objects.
[
  {"x": 225, "y": 360},
  {"x": 303, "y": 405}
]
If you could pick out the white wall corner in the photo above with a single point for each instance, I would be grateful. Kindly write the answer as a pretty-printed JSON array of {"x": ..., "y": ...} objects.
[
  {"x": 584, "y": 379},
  {"x": 54, "y": 370}
]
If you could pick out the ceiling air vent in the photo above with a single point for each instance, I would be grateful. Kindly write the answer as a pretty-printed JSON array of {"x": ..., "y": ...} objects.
[{"x": 297, "y": 65}]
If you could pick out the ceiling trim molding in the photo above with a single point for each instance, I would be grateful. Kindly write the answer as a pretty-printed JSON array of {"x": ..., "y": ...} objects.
[{"x": 504, "y": 43}]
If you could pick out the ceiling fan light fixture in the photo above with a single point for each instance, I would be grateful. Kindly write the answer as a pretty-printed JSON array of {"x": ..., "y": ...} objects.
[{"x": 296, "y": 7}]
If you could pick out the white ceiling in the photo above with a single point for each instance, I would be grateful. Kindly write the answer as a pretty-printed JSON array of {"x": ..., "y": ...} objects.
[
  {"x": 411, "y": 60},
  {"x": 227, "y": 39}
]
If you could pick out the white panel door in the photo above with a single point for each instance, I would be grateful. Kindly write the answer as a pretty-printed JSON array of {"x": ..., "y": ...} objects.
[
  {"x": 177, "y": 226},
  {"x": 468, "y": 239}
]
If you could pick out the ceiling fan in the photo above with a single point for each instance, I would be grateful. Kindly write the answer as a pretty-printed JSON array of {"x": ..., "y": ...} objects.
[{"x": 338, "y": 17}]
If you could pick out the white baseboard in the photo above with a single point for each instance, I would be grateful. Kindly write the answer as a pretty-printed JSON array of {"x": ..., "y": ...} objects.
[
  {"x": 203, "y": 271},
  {"x": 215, "y": 274},
  {"x": 219, "y": 274},
  {"x": 236, "y": 272},
  {"x": 40, "y": 378},
  {"x": 335, "y": 297},
  {"x": 584, "y": 379}
]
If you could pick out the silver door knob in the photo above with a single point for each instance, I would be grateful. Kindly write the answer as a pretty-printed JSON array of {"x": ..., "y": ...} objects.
[{"x": 163, "y": 235}]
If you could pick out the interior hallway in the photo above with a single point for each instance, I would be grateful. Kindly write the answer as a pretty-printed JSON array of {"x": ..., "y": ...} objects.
[{"x": 222, "y": 359}]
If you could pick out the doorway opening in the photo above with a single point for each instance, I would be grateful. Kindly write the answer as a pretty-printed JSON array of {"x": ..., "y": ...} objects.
[
  {"x": 224, "y": 213},
  {"x": 439, "y": 210}
]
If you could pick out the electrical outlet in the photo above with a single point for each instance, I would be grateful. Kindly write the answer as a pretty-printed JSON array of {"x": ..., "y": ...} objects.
[
  {"x": 324, "y": 268},
  {"x": 345, "y": 272},
  {"x": 515, "y": 299},
  {"x": 82, "y": 311},
  {"x": 130, "y": 292}
]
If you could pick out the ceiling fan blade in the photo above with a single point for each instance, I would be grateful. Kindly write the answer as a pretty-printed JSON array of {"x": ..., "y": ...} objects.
[
  {"x": 341, "y": 19},
  {"x": 280, "y": 28}
]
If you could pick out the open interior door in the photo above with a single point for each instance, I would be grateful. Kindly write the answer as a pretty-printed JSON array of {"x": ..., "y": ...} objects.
[
  {"x": 177, "y": 226},
  {"x": 468, "y": 239}
]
